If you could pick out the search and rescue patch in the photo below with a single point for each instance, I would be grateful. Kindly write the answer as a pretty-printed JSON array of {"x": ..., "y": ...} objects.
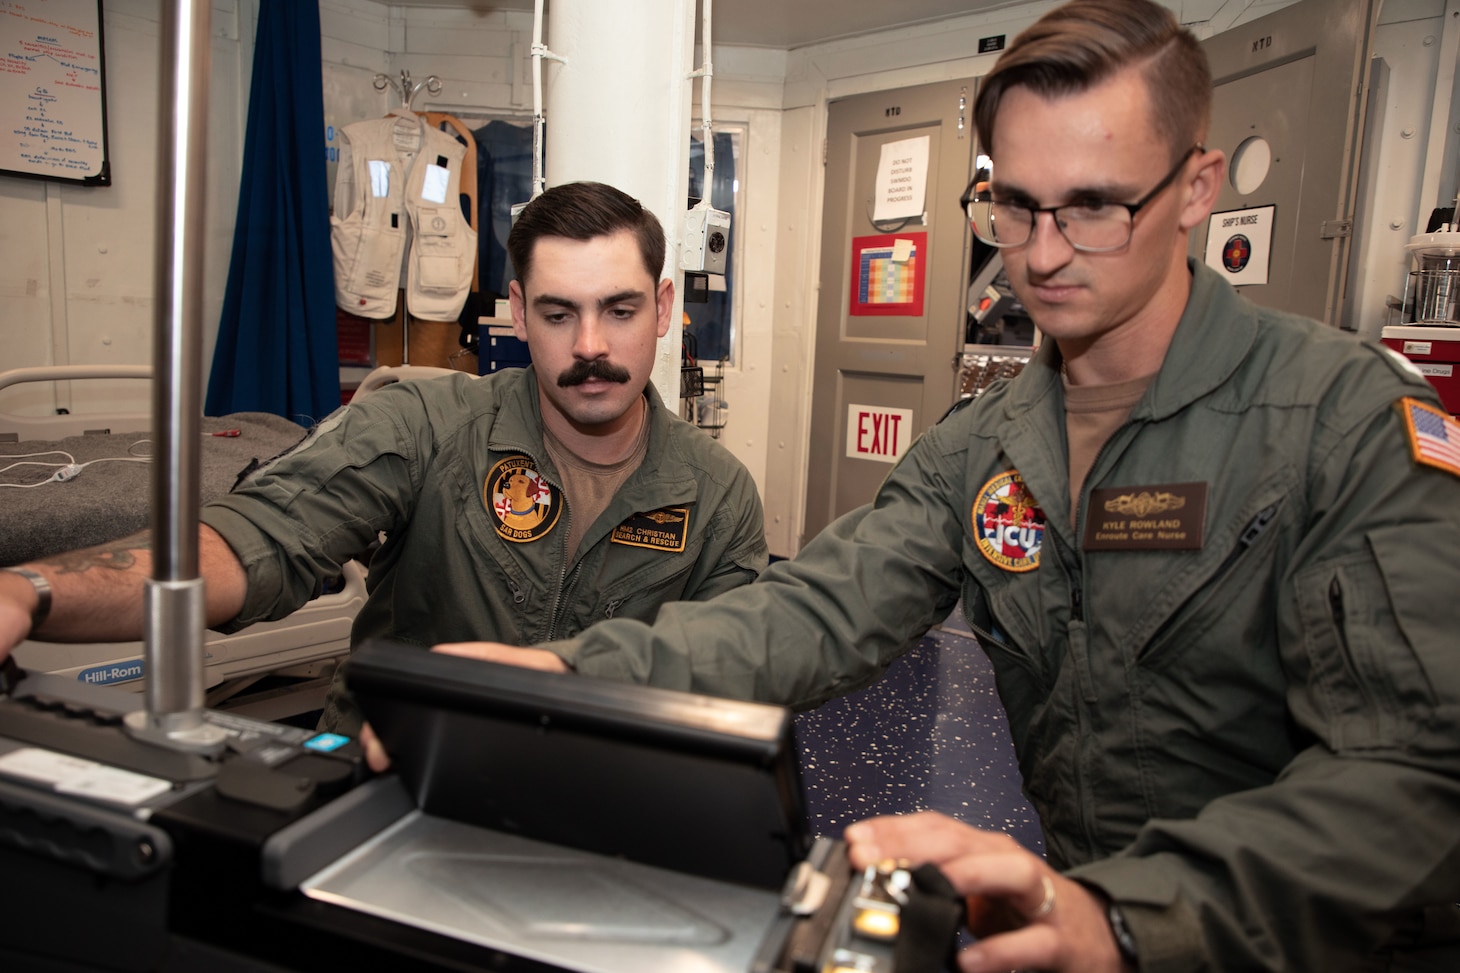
[
  {"x": 1008, "y": 524},
  {"x": 523, "y": 505},
  {"x": 1434, "y": 437},
  {"x": 664, "y": 529},
  {"x": 1161, "y": 517}
]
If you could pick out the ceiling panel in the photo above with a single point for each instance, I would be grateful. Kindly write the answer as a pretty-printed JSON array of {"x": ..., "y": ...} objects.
[{"x": 786, "y": 24}]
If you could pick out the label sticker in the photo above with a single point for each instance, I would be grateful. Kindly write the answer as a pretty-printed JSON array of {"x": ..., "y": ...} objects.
[
  {"x": 85, "y": 778},
  {"x": 434, "y": 189},
  {"x": 326, "y": 742},
  {"x": 379, "y": 178},
  {"x": 663, "y": 530},
  {"x": 112, "y": 673}
]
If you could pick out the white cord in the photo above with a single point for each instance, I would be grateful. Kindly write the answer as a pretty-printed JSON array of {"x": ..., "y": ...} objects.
[
  {"x": 48, "y": 452},
  {"x": 67, "y": 471}
]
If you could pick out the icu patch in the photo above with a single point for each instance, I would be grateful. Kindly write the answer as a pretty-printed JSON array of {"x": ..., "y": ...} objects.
[
  {"x": 1008, "y": 524},
  {"x": 1434, "y": 437},
  {"x": 522, "y": 504},
  {"x": 664, "y": 529}
]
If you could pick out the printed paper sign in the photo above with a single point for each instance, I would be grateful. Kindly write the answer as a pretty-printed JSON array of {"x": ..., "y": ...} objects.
[
  {"x": 902, "y": 180},
  {"x": 887, "y": 275},
  {"x": 1239, "y": 244}
]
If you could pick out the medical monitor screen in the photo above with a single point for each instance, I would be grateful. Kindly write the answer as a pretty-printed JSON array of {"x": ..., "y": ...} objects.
[{"x": 691, "y": 783}]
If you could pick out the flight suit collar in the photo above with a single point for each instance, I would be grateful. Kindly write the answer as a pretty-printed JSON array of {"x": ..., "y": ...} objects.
[{"x": 1214, "y": 335}]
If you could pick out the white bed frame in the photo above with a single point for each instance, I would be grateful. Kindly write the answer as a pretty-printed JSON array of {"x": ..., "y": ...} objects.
[{"x": 304, "y": 648}]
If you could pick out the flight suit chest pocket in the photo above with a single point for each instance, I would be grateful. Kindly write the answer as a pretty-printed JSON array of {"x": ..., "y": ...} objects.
[
  {"x": 1180, "y": 600},
  {"x": 634, "y": 582}
]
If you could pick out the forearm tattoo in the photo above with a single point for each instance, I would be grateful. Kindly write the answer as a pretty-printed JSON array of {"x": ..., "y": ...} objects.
[{"x": 117, "y": 555}]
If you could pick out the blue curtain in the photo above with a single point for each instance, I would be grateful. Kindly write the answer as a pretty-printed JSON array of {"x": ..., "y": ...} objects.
[{"x": 277, "y": 351}]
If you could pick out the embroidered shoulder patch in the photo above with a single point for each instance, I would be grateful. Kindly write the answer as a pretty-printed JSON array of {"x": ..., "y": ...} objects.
[
  {"x": 1008, "y": 524},
  {"x": 1434, "y": 437},
  {"x": 664, "y": 529},
  {"x": 522, "y": 504}
]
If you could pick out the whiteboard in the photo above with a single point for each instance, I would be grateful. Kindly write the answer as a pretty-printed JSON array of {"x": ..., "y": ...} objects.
[{"x": 53, "y": 91}]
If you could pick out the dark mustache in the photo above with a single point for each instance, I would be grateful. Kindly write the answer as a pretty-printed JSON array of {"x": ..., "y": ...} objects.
[{"x": 581, "y": 371}]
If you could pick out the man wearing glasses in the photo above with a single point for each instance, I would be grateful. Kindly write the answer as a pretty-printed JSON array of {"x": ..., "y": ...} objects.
[{"x": 1210, "y": 549}]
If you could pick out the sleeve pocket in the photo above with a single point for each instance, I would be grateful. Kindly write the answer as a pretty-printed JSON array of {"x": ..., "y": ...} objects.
[{"x": 1367, "y": 673}]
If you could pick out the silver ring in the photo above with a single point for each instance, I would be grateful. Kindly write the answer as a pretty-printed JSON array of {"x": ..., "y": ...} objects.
[{"x": 1046, "y": 904}]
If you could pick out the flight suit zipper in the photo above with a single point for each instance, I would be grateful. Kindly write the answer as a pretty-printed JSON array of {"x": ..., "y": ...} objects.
[
  {"x": 1335, "y": 608},
  {"x": 1255, "y": 528},
  {"x": 562, "y": 571},
  {"x": 988, "y": 637}
]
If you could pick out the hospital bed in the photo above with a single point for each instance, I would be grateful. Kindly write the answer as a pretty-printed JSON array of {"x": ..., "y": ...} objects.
[{"x": 47, "y": 509}]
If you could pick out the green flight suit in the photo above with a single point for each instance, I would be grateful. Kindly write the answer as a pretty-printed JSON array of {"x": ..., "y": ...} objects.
[
  {"x": 1253, "y": 746},
  {"x": 426, "y": 463}
]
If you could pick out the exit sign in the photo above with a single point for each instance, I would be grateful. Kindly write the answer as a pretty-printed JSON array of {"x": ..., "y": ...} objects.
[{"x": 878, "y": 433}]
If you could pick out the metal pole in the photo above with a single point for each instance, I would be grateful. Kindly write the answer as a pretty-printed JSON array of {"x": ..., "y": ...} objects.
[{"x": 174, "y": 612}]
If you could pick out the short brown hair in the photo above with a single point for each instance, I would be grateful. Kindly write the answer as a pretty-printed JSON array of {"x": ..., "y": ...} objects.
[
  {"x": 584, "y": 211},
  {"x": 1077, "y": 46}
]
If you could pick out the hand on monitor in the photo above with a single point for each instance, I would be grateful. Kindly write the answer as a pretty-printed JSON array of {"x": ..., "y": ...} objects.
[{"x": 506, "y": 654}]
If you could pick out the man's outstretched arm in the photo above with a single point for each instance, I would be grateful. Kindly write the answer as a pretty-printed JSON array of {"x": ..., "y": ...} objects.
[{"x": 96, "y": 592}]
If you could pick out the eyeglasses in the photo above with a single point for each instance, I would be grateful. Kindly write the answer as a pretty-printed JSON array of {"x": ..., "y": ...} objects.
[{"x": 1092, "y": 225}]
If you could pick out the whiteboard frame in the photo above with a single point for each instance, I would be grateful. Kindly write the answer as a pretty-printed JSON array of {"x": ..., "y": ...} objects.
[{"x": 101, "y": 177}]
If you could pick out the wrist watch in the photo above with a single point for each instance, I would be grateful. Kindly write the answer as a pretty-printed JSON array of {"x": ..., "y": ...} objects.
[
  {"x": 1125, "y": 943},
  {"x": 42, "y": 595}
]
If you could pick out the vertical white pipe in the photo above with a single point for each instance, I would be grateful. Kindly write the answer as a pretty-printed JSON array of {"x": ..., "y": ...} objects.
[
  {"x": 707, "y": 76},
  {"x": 538, "y": 122},
  {"x": 620, "y": 110}
]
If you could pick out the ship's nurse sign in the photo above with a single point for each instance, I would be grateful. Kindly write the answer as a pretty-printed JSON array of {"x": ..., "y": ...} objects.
[
  {"x": 53, "y": 91},
  {"x": 902, "y": 180}
]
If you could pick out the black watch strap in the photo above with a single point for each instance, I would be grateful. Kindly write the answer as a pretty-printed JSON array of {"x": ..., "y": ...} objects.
[{"x": 1125, "y": 943}]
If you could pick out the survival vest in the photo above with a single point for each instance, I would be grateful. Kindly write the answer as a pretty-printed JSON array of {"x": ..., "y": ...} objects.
[{"x": 398, "y": 186}]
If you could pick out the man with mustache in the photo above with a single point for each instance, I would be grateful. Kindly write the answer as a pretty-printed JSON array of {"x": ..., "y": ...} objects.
[{"x": 517, "y": 507}]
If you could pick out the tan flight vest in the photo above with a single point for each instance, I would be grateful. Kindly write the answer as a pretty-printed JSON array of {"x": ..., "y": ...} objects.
[{"x": 397, "y": 195}]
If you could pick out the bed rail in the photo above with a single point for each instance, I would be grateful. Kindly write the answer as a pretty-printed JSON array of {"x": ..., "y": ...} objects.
[{"x": 15, "y": 427}]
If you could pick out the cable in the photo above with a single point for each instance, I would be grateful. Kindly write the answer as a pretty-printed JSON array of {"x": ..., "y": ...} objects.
[
  {"x": 48, "y": 452},
  {"x": 65, "y": 472},
  {"x": 70, "y": 470}
]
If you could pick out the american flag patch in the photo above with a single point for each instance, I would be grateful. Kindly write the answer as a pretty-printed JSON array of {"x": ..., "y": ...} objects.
[{"x": 1434, "y": 437}]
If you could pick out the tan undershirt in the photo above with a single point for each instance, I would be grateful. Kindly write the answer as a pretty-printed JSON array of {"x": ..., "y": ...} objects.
[
  {"x": 1092, "y": 414},
  {"x": 590, "y": 487}
]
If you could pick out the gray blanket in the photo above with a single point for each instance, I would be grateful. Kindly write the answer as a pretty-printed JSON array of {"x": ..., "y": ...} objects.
[{"x": 107, "y": 500}]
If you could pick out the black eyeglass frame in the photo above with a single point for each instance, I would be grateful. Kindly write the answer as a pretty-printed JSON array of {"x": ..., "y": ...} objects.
[{"x": 969, "y": 196}]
